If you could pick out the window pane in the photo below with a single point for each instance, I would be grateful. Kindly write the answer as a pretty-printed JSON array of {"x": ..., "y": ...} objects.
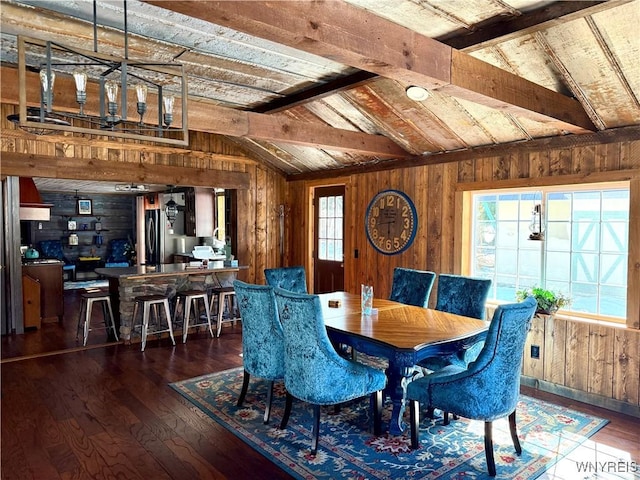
[
  {"x": 330, "y": 250},
  {"x": 322, "y": 228},
  {"x": 558, "y": 266},
  {"x": 323, "y": 207},
  {"x": 322, "y": 247},
  {"x": 583, "y": 253},
  {"x": 331, "y": 206},
  {"x": 338, "y": 213},
  {"x": 586, "y": 236},
  {"x": 615, "y": 236},
  {"x": 558, "y": 236},
  {"x": 613, "y": 269},
  {"x": 613, "y": 301},
  {"x": 507, "y": 261}
]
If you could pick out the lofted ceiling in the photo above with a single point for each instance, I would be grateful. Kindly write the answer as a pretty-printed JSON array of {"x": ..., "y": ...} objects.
[{"x": 316, "y": 86}]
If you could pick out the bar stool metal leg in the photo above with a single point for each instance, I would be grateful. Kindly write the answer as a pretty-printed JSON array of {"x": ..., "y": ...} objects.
[{"x": 191, "y": 298}]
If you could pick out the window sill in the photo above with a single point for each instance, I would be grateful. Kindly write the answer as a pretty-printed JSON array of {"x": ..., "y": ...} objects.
[{"x": 585, "y": 318}]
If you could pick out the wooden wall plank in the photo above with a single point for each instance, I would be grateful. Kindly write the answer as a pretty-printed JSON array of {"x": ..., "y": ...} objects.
[
  {"x": 577, "y": 372},
  {"x": 555, "y": 350},
  {"x": 600, "y": 360},
  {"x": 534, "y": 367},
  {"x": 626, "y": 366}
]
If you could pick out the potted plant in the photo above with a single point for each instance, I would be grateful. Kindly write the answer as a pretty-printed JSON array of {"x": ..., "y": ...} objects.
[{"x": 548, "y": 301}]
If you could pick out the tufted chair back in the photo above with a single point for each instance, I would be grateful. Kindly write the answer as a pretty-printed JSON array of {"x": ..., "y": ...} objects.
[
  {"x": 262, "y": 337},
  {"x": 118, "y": 252},
  {"x": 51, "y": 249},
  {"x": 489, "y": 387},
  {"x": 462, "y": 295},
  {"x": 412, "y": 287},
  {"x": 313, "y": 370},
  {"x": 293, "y": 279}
]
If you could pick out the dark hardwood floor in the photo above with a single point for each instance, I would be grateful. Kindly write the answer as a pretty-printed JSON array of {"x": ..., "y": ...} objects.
[{"x": 107, "y": 411}]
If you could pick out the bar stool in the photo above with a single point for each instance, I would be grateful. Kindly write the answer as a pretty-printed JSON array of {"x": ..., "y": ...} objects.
[
  {"x": 88, "y": 298},
  {"x": 224, "y": 295},
  {"x": 151, "y": 302},
  {"x": 191, "y": 298}
]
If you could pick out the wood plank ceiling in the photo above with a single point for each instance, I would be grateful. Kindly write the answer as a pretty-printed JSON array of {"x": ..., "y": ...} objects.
[{"x": 308, "y": 87}]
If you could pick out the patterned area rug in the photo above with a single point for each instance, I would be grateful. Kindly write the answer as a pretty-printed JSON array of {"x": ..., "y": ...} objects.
[{"x": 348, "y": 450}]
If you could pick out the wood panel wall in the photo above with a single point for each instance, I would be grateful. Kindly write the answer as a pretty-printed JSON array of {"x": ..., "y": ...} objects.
[
  {"x": 258, "y": 225},
  {"x": 595, "y": 359}
]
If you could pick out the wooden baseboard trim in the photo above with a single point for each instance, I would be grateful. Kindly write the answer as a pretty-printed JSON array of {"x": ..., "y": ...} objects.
[{"x": 580, "y": 396}]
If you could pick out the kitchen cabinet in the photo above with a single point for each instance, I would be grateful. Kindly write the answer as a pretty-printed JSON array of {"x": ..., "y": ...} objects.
[
  {"x": 198, "y": 212},
  {"x": 31, "y": 302},
  {"x": 49, "y": 275}
]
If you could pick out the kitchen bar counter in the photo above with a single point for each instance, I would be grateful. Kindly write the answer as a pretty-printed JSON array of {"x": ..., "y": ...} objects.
[
  {"x": 126, "y": 283},
  {"x": 214, "y": 267}
]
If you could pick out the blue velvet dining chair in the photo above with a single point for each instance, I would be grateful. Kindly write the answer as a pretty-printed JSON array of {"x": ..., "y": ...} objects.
[
  {"x": 465, "y": 296},
  {"x": 488, "y": 389},
  {"x": 262, "y": 338},
  {"x": 293, "y": 279},
  {"x": 313, "y": 370},
  {"x": 412, "y": 287}
]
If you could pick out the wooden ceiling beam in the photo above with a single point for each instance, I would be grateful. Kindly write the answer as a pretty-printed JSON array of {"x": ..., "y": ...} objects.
[
  {"x": 316, "y": 92},
  {"x": 359, "y": 38},
  {"x": 73, "y": 168},
  {"x": 208, "y": 117},
  {"x": 527, "y": 23},
  {"x": 481, "y": 37},
  {"x": 614, "y": 135}
]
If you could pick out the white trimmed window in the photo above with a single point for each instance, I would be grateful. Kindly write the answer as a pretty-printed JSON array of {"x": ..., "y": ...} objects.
[{"x": 583, "y": 251}]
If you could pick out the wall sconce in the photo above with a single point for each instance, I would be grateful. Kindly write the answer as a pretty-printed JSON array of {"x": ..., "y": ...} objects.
[{"x": 536, "y": 223}]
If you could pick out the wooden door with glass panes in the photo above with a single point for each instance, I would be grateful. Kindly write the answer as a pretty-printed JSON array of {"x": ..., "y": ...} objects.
[{"x": 328, "y": 253}]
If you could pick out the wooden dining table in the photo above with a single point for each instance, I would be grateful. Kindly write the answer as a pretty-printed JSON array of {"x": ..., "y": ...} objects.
[{"x": 402, "y": 334}]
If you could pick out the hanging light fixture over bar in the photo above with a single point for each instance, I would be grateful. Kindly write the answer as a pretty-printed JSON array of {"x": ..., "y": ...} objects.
[{"x": 100, "y": 106}]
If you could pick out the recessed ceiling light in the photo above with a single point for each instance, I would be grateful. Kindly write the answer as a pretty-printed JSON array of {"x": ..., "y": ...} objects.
[{"x": 417, "y": 93}]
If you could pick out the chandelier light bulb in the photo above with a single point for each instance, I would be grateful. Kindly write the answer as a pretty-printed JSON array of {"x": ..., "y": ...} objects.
[
  {"x": 168, "y": 102},
  {"x": 111, "y": 89},
  {"x": 44, "y": 80},
  {"x": 81, "y": 81},
  {"x": 80, "y": 78},
  {"x": 141, "y": 93}
]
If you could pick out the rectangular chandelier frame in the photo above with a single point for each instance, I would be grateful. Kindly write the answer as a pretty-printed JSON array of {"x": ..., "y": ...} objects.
[{"x": 97, "y": 117}]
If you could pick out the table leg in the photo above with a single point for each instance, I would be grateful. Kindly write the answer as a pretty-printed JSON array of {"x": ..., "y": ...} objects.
[{"x": 398, "y": 375}]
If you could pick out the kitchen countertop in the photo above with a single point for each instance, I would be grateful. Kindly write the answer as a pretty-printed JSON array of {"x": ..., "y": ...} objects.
[
  {"x": 41, "y": 261},
  {"x": 164, "y": 269}
]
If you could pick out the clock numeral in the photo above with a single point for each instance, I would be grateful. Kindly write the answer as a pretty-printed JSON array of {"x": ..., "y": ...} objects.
[
  {"x": 406, "y": 222},
  {"x": 390, "y": 199},
  {"x": 405, "y": 210}
]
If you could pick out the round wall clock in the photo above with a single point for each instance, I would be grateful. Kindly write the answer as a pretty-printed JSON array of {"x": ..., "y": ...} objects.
[{"x": 391, "y": 222}]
